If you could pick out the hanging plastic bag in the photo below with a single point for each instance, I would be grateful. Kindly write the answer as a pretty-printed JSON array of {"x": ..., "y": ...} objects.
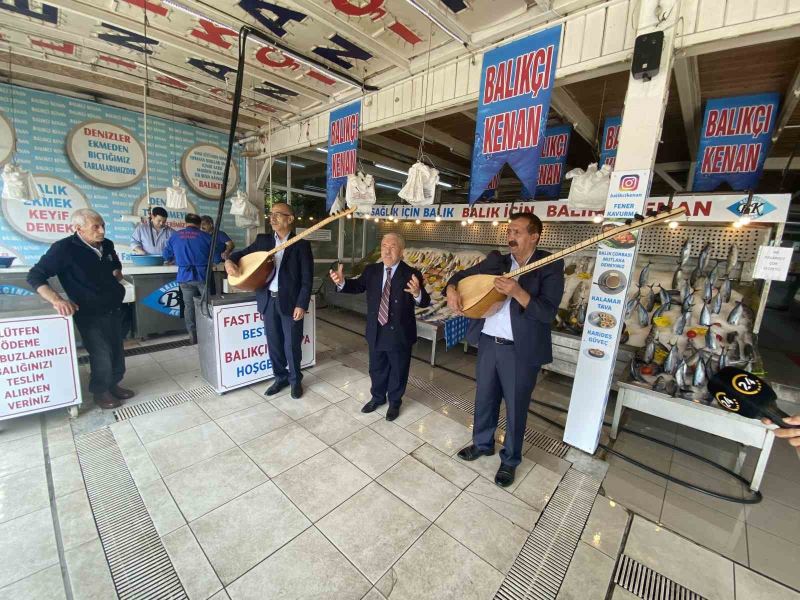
[
  {"x": 19, "y": 184},
  {"x": 420, "y": 188},
  {"x": 176, "y": 196},
  {"x": 589, "y": 188},
  {"x": 360, "y": 190},
  {"x": 245, "y": 213}
]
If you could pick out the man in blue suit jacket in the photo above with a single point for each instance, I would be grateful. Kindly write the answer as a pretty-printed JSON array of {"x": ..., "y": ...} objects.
[
  {"x": 393, "y": 290},
  {"x": 513, "y": 343},
  {"x": 283, "y": 301}
]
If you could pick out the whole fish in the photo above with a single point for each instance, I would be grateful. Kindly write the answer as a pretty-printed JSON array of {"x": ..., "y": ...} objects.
[
  {"x": 735, "y": 314},
  {"x": 582, "y": 314},
  {"x": 680, "y": 324},
  {"x": 681, "y": 374},
  {"x": 711, "y": 340},
  {"x": 629, "y": 306},
  {"x": 694, "y": 357},
  {"x": 644, "y": 274},
  {"x": 649, "y": 352},
  {"x": 660, "y": 384},
  {"x": 725, "y": 289},
  {"x": 705, "y": 253},
  {"x": 649, "y": 299},
  {"x": 642, "y": 315},
  {"x": 716, "y": 305},
  {"x": 700, "y": 376},
  {"x": 688, "y": 302},
  {"x": 695, "y": 275},
  {"x": 686, "y": 250},
  {"x": 705, "y": 316},
  {"x": 723, "y": 359},
  {"x": 672, "y": 387},
  {"x": 733, "y": 258},
  {"x": 714, "y": 274},
  {"x": 672, "y": 360},
  {"x": 578, "y": 293},
  {"x": 686, "y": 289},
  {"x": 677, "y": 276},
  {"x": 708, "y": 291},
  {"x": 636, "y": 375},
  {"x": 663, "y": 296},
  {"x": 651, "y": 334}
]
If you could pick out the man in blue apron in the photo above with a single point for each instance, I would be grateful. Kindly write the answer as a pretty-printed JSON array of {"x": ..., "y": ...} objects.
[
  {"x": 190, "y": 248},
  {"x": 151, "y": 236},
  {"x": 207, "y": 225}
]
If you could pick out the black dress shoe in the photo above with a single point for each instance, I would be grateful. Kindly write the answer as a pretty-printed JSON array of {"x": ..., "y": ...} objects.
[
  {"x": 393, "y": 412},
  {"x": 505, "y": 475},
  {"x": 473, "y": 452},
  {"x": 372, "y": 405},
  {"x": 121, "y": 393},
  {"x": 297, "y": 390},
  {"x": 276, "y": 387}
]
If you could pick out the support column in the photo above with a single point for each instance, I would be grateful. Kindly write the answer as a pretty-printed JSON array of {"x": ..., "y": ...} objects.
[{"x": 640, "y": 133}]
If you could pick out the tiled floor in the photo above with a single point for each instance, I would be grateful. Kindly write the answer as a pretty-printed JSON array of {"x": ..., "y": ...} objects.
[{"x": 280, "y": 498}]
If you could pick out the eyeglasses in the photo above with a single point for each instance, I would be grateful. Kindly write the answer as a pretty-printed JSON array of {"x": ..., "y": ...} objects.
[{"x": 278, "y": 214}]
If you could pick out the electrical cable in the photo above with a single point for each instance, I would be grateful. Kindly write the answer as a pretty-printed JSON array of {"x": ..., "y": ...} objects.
[{"x": 755, "y": 498}]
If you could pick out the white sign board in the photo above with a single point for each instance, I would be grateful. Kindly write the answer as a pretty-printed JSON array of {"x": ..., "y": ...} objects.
[
  {"x": 38, "y": 365},
  {"x": 105, "y": 153},
  {"x": 701, "y": 208},
  {"x": 49, "y": 218},
  {"x": 241, "y": 353},
  {"x": 203, "y": 167},
  {"x": 772, "y": 263},
  {"x": 7, "y": 139},
  {"x": 604, "y": 319}
]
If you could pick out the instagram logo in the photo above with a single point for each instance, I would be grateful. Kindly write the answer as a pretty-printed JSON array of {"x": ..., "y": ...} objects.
[{"x": 629, "y": 183}]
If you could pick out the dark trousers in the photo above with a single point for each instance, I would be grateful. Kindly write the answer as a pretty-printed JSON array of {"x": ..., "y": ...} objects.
[
  {"x": 102, "y": 338},
  {"x": 191, "y": 290},
  {"x": 501, "y": 374},
  {"x": 388, "y": 371},
  {"x": 284, "y": 337}
]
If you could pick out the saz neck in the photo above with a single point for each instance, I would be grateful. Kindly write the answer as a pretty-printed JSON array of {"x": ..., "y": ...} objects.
[
  {"x": 305, "y": 233},
  {"x": 613, "y": 232}
]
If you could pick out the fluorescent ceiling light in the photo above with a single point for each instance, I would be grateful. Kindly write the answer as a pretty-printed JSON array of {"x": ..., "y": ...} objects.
[
  {"x": 392, "y": 169},
  {"x": 189, "y": 11},
  {"x": 444, "y": 184},
  {"x": 439, "y": 24},
  {"x": 295, "y": 165},
  {"x": 387, "y": 186},
  {"x": 325, "y": 150}
]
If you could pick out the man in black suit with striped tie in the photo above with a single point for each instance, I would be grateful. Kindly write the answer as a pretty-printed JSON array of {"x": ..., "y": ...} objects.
[{"x": 393, "y": 290}]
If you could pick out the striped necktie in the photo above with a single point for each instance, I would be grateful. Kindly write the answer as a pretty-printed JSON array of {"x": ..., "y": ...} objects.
[{"x": 383, "y": 311}]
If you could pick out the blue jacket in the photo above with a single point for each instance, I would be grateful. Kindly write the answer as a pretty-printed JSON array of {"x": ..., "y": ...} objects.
[
  {"x": 531, "y": 325},
  {"x": 294, "y": 278},
  {"x": 190, "y": 249},
  {"x": 402, "y": 325}
]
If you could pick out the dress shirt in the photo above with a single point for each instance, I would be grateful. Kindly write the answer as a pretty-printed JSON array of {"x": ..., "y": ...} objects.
[
  {"x": 499, "y": 324},
  {"x": 417, "y": 298},
  {"x": 152, "y": 240},
  {"x": 278, "y": 257}
]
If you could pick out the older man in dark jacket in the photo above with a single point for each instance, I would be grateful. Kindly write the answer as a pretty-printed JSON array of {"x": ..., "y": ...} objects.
[
  {"x": 90, "y": 273},
  {"x": 513, "y": 343},
  {"x": 393, "y": 290}
]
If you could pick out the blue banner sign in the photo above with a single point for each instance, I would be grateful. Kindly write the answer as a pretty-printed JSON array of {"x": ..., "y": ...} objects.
[
  {"x": 342, "y": 148},
  {"x": 165, "y": 299},
  {"x": 734, "y": 142},
  {"x": 553, "y": 160},
  {"x": 516, "y": 83},
  {"x": 608, "y": 148}
]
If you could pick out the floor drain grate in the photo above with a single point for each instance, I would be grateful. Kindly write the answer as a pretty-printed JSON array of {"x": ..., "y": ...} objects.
[
  {"x": 140, "y": 566},
  {"x": 541, "y": 565},
  {"x": 536, "y": 438},
  {"x": 647, "y": 584},
  {"x": 83, "y": 360},
  {"x": 128, "y": 412}
]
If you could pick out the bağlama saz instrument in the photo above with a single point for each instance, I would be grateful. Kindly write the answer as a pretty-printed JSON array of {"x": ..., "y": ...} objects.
[
  {"x": 479, "y": 298},
  {"x": 257, "y": 268}
]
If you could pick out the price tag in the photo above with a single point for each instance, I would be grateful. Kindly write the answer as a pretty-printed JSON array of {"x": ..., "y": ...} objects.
[{"x": 772, "y": 263}]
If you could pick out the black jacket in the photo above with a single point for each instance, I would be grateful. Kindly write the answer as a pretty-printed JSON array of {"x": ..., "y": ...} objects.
[
  {"x": 87, "y": 279},
  {"x": 402, "y": 325},
  {"x": 294, "y": 278},
  {"x": 530, "y": 325}
]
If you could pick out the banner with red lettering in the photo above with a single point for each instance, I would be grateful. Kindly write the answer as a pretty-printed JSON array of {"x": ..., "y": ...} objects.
[
  {"x": 553, "y": 161},
  {"x": 514, "y": 97},
  {"x": 342, "y": 148},
  {"x": 610, "y": 141},
  {"x": 734, "y": 142}
]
